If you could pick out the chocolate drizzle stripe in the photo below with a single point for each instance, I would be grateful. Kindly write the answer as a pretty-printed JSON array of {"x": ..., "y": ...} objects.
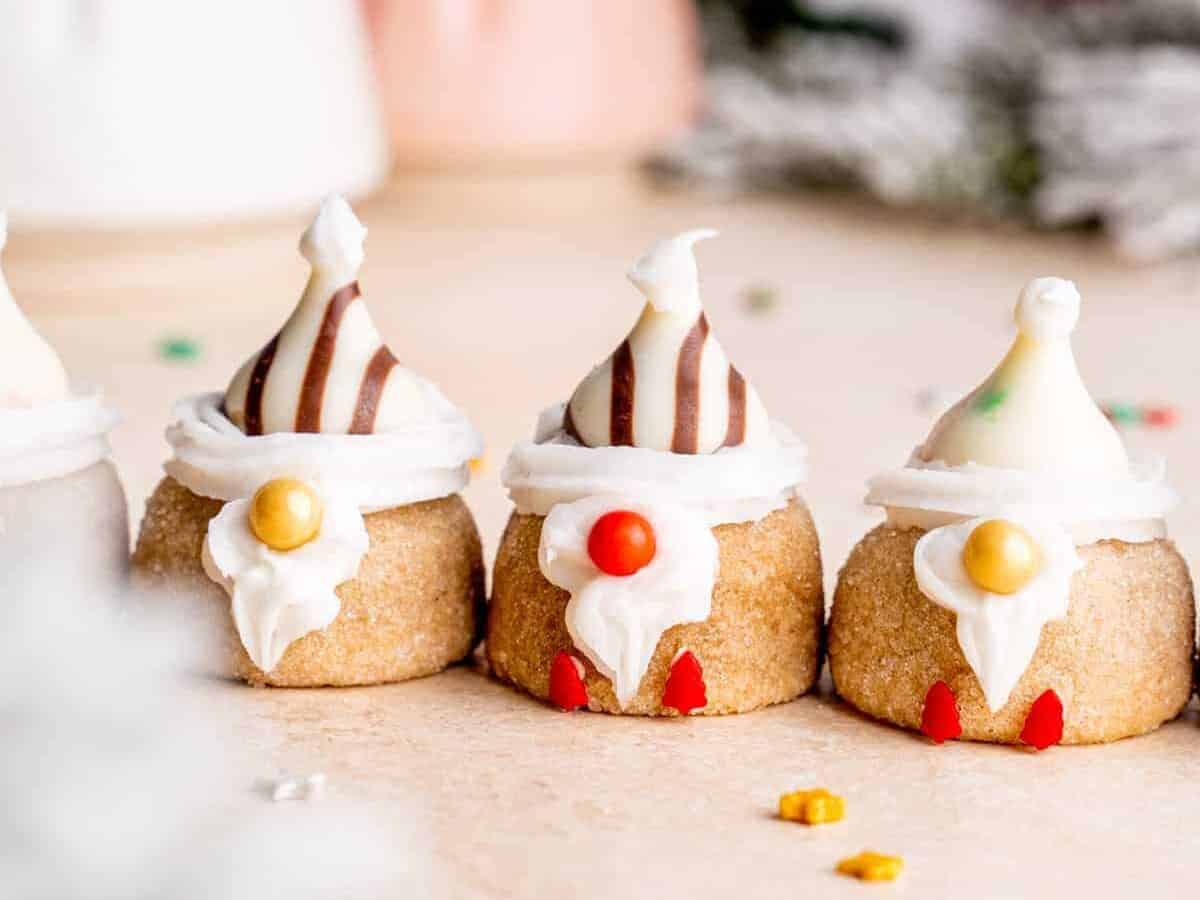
[
  {"x": 624, "y": 380},
  {"x": 312, "y": 391},
  {"x": 686, "y": 438},
  {"x": 258, "y": 382},
  {"x": 735, "y": 432},
  {"x": 366, "y": 407}
]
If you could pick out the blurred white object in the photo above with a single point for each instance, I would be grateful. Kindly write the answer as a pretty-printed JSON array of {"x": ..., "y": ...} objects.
[
  {"x": 122, "y": 778},
  {"x": 133, "y": 111}
]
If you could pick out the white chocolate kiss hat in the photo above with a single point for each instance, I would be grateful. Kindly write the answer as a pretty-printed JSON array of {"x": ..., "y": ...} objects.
[
  {"x": 1031, "y": 437},
  {"x": 32, "y": 372},
  {"x": 46, "y": 430},
  {"x": 669, "y": 385},
  {"x": 327, "y": 371},
  {"x": 666, "y": 418}
]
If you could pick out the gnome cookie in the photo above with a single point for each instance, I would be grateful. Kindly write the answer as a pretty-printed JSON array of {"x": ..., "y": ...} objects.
[
  {"x": 660, "y": 560},
  {"x": 1022, "y": 588},
  {"x": 314, "y": 508},
  {"x": 62, "y": 509}
]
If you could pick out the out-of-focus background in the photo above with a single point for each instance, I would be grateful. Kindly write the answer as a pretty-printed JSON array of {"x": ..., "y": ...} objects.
[{"x": 886, "y": 175}]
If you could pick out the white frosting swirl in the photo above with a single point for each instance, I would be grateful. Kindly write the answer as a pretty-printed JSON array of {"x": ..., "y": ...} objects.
[
  {"x": 53, "y": 439},
  {"x": 928, "y": 495},
  {"x": 617, "y": 621},
  {"x": 427, "y": 460},
  {"x": 735, "y": 484}
]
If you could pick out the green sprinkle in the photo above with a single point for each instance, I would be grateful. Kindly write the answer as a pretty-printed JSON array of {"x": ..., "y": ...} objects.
[
  {"x": 761, "y": 298},
  {"x": 1124, "y": 413},
  {"x": 179, "y": 349},
  {"x": 991, "y": 400}
]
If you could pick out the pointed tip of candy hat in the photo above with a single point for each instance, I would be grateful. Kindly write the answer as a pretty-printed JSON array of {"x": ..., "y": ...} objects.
[
  {"x": 667, "y": 274},
  {"x": 1033, "y": 412},
  {"x": 1047, "y": 309},
  {"x": 334, "y": 240}
]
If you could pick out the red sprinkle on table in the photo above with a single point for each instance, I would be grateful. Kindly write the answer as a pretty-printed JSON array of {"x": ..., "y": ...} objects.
[
  {"x": 621, "y": 542},
  {"x": 567, "y": 690},
  {"x": 1044, "y": 724},
  {"x": 685, "y": 689},
  {"x": 939, "y": 719},
  {"x": 1160, "y": 416}
]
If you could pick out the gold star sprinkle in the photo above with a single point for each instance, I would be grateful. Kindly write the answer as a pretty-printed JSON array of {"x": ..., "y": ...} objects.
[
  {"x": 815, "y": 807},
  {"x": 871, "y": 866}
]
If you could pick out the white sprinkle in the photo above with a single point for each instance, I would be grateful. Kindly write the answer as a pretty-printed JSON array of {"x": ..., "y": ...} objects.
[{"x": 298, "y": 787}]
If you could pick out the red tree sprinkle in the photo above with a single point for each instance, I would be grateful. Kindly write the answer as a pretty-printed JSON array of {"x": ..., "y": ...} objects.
[
  {"x": 685, "y": 690},
  {"x": 939, "y": 718},
  {"x": 567, "y": 690},
  {"x": 1044, "y": 724}
]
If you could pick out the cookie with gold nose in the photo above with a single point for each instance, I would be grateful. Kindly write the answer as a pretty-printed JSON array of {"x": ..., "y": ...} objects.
[
  {"x": 1001, "y": 557},
  {"x": 285, "y": 514}
]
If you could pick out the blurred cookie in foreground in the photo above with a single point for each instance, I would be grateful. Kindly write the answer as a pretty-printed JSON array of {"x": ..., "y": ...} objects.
[{"x": 62, "y": 507}]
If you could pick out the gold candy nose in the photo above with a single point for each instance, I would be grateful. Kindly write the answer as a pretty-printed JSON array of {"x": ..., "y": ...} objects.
[
  {"x": 285, "y": 514},
  {"x": 1001, "y": 557}
]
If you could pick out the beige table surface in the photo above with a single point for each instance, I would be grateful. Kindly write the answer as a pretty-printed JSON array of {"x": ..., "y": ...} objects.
[{"x": 505, "y": 290}]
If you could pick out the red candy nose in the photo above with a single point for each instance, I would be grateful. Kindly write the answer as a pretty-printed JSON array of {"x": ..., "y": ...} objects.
[{"x": 621, "y": 542}]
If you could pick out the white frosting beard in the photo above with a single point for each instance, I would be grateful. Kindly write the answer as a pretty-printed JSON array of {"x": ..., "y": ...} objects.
[
  {"x": 736, "y": 484},
  {"x": 998, "y": 633},
  {"x": 53, "y": 439},
  {"x": 617, "y": 621},
  {"x": 278, "y": 597},
  {"x": 213, "y": 458},
  {"x": 1092, "y": 508}
]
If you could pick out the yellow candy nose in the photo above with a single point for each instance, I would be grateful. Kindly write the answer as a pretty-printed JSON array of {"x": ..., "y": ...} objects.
[
  {"x": 285, "y": 514},
  {"x": 1001, "y": 557}
]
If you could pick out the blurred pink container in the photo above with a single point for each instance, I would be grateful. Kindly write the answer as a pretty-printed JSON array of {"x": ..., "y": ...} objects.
[{"x": 504, "y": 81}]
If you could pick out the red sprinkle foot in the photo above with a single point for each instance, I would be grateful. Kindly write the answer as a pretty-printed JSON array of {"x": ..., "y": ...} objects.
[
  {"x": 567, "y": 690},
  {"x": 1044, "y": 724},
  {"x": 685, "y": 690},
  {"x": 939, "y": 719}
]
